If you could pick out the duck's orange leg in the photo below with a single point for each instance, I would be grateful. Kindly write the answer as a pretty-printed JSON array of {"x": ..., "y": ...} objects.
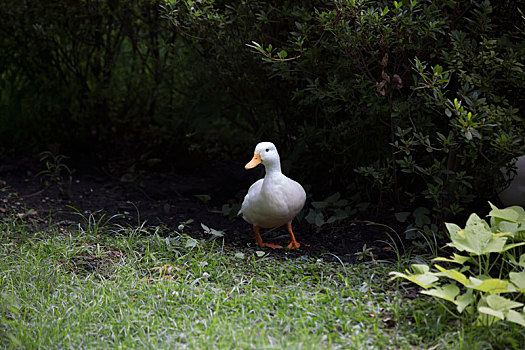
[
  {"x": 260, "y": 241},
  {"x": 293, "y": 243}
]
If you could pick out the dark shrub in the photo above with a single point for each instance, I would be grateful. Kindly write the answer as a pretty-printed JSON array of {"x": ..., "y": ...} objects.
[{"x": 421, "y": 98}]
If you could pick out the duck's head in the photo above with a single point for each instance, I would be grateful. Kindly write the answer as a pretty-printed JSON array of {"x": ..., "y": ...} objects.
[{"x": 265, "y": 153}]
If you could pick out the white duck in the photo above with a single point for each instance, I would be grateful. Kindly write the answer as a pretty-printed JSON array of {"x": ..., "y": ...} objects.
[{"x": 274, "y": 200}]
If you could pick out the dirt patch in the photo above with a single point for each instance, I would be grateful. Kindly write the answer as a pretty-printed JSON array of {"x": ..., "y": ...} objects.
[{"x": 167, "y": 198}]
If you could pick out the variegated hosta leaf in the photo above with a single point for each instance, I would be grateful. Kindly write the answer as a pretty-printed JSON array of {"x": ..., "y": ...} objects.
[{"x": 421, "y": 275}]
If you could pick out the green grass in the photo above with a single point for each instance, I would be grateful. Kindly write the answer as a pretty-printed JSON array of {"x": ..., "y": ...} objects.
[{"x": 98, "y": 285}]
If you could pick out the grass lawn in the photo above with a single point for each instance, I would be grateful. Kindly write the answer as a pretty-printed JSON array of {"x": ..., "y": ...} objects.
[{"x": 96, "y": 285}]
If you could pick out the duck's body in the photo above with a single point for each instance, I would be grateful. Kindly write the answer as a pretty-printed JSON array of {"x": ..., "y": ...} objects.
[{"x": 274, "y": 200}]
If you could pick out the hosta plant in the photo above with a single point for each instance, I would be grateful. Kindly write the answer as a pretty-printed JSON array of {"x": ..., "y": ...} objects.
[{"x": 485, "y": 277}]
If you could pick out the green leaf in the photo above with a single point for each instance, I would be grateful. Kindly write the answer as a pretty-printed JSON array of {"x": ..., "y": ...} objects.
[
  {"x": 516, "y": 317},
  {"x": 490, "y": 285},
  {"x": 452, "y": 228},
  {"x": 518, "y": 280},
  {"x": 421, "y": 276},
  {"x": 513, "y": 245},
  {"x": 453, "y": 274},
  {"x": 420, "y": 214},
  {"x": 311, "y": 216},
  {"x": 191, "y": 242},
  {"x": 507, "y": 226},
  {"x": 500, "y": 303},
  {"x": 512, "y": 214},
  {"x": 333, "y": 198},
  {"x": 522, "y": 260},
  {"x": 489, "y": 311},
  {"x": 319, "y": 205},
  {"x": 319, "y": 219},
  {"x": 282, "y": 54},
  {"x": 448, "y": 292},
  {"x": 402, "y": 216},
  {"x": 464, "y": 300},
  {"x": 217, "y": 233},
  {"x": 476, "y": 238},
  {"x": 456, "y": 258}
]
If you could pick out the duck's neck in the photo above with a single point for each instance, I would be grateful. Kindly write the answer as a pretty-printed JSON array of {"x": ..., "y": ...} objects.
[{"x": 273, "y": 169}]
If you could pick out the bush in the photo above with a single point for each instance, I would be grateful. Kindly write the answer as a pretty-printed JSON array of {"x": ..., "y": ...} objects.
[
  {"x": 91, "y": 75},
  {"x": 420, "y": 97},
  {"x": 408, "y": 103}
]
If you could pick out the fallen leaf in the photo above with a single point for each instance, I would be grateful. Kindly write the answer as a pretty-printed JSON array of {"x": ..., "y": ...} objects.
[
  {"x": 260, "y": 253},
  {"x": 389, "y": 322},
  {"x": 30, "y": 212}
]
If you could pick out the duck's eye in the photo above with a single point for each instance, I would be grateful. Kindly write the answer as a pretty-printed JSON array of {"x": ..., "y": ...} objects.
[{"x": 267, "y": 150}]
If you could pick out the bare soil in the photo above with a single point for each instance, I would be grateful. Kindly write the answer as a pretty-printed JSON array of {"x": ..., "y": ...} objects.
[{"x": 167, "y": 198}]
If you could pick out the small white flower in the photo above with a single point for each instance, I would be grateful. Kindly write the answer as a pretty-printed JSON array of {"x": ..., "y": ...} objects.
[{"x": 180, "y": 227}]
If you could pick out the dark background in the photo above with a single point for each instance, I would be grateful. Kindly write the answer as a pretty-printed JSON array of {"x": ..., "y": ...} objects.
[{"x": 358, "y": 97}]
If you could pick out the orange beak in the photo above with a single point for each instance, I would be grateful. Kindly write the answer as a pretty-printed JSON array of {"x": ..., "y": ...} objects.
[{"x": 256, "y": 160}]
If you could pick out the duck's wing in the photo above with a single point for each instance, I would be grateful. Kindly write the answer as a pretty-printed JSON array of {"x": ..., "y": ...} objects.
[{"x": 253, "y": 192}]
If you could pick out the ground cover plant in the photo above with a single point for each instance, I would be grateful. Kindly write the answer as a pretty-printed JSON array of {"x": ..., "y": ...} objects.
[
  {"x": 488, "y": 275},
  {"x": 97, "y": 284}
]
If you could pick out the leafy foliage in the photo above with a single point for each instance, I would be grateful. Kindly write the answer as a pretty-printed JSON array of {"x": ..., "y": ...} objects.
[
  {"x": 490, "y": 262},
  {"x": 421, "y": 98},
  {"x": 95, "y": 75},
  {"x": 331, "y": 210}
]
